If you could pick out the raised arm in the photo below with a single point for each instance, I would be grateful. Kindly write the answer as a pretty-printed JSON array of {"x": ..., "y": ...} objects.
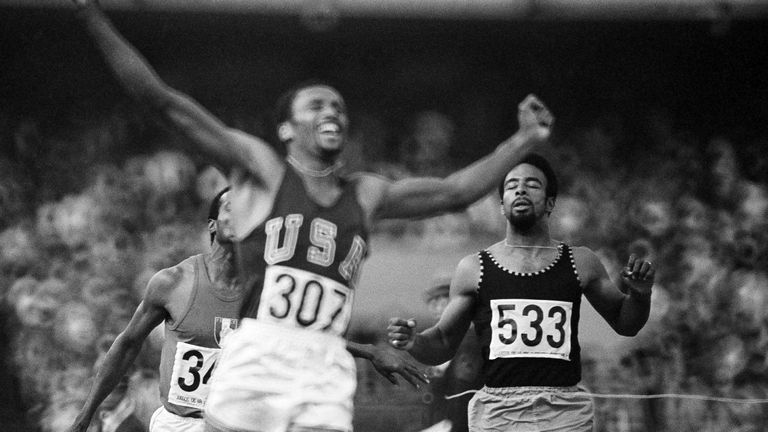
[
  {"x": 221, "y": 146},
  {"x": 124, "y": 350},
  {"x": 418, "y": 197},
  {"x": 625, "y": 313},
  {"x": 439, "y": 343}
]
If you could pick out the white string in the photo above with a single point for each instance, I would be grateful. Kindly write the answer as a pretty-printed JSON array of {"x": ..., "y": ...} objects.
[
  {"x": 649, "y": 396},
  {"x": 313, "y": 172},
  {"x": 506, "y": 243}
]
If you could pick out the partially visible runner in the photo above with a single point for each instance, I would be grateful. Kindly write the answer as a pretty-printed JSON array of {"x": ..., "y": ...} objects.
[
  {"x": 301, "y": 233},
  {"x": 523, "y": 295},
  {"x": 456, "y": 376},
  {"x": 199, "y": 303}
]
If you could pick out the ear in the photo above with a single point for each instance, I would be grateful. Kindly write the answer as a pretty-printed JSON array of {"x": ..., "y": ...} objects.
[
  {"x": 501, "y": 209},
  {"x": 211, "y": 226},
  {"x": 285, "y": 132},
  {"x": 550, "y": 204}
]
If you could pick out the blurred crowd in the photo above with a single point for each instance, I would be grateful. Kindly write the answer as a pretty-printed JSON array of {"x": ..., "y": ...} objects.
[{"x": 89, "y": 210}]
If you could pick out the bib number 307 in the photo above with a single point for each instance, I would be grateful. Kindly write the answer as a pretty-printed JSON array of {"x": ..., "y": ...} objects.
[
  {"x": 530, "y": 328},
  {"x": 301, "y": 299}
]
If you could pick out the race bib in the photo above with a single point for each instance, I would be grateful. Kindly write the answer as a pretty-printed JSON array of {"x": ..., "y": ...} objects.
[
  {"x": 530, "y": 328},
  {"x": 192, "y": 369},
  {"x": 301, "y": 299}
]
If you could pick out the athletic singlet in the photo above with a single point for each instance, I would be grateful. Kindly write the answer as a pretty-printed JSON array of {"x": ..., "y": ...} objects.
[
  {"x": 302, "y": 263},
  {"x": 191, "y": 345},
  {"x": 528, "y": 323}
]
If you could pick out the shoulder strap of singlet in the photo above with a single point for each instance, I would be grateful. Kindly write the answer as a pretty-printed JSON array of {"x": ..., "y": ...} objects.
[{"x": 198, "y": 263}]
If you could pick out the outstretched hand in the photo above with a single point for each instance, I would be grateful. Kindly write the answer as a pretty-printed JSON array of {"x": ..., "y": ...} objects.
[
  {"x": 638, "y": 275},
  {"x": 534, "y": 118},
  {"x": 388, "y": 363}
]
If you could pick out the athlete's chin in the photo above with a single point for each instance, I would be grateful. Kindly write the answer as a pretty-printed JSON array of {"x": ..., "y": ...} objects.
[
  {"x": 522, "y": 223},
  {"x": 328, "y": 144},
  {"x": 329, "y": 152},
  {"x": 226, "y": 239}
]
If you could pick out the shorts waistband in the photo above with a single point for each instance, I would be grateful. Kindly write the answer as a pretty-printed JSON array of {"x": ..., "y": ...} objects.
[
  {"x": 256, "y": 327},
  {"x": 527, "y": 391}
]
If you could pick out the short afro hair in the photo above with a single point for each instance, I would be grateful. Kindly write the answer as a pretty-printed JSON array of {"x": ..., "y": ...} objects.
[
  {"x": 541, "y": 163},
  {"x": 283, "y": 107}
]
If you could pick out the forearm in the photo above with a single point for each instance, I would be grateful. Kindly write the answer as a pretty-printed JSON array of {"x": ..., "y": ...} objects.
[
  {"x": 116, "y": 363},
  {"x": 431, "y": 348},
  {"x": 633, "y": 314},
  {"x": 131, "y": 70},
  {"x": 474, "y": 181}
]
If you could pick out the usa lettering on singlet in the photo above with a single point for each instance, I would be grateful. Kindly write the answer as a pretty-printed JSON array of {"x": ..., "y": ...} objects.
[{"x": 300, "y": 298}]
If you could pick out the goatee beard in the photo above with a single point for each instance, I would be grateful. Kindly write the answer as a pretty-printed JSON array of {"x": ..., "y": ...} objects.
[{"x": 522, "y": 222}]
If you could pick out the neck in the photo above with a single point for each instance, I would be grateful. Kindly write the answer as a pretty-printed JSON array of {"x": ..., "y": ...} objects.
[
  {"x": 223, "y": 259},
  {"x": 536, "y": 237},
  {"x": 314, "y": 168}
]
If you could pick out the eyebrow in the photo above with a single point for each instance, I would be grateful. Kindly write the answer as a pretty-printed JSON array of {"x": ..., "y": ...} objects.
[
  {"x": 336, "y": 103},
  {"x": 526, "y": 179}
]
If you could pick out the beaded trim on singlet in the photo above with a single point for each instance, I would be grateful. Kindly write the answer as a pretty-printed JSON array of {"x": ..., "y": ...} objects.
[{"x": 536, "y": 273}]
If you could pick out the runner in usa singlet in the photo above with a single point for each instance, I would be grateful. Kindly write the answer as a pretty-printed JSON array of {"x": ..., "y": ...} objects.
[
  {"x": 302, "y": 263},
  {"x": 287, "y": 365}
]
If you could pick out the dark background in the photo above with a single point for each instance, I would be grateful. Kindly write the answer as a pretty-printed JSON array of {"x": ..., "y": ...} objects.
[
  {"x": 705, "y": 78},
  {"x": 645, "y": 85}
]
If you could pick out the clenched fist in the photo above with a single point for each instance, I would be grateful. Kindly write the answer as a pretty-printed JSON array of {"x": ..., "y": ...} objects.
[
  {"x": 534, "y": 118},
  {"x": 401, "y": 333}
]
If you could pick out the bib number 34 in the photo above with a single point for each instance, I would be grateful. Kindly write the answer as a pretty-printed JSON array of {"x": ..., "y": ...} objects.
[{"x": 192, "y": 370}]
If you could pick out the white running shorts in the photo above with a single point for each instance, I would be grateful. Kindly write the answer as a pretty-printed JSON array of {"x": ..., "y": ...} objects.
[
  {"x": 165, "y": 421},
  {"x": 272, "y": 378}
]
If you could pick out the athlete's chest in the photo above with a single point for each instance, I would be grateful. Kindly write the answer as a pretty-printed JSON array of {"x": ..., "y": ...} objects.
[
  {"x": 330, "y": 240},
  {"x": 525, "y": 261}
]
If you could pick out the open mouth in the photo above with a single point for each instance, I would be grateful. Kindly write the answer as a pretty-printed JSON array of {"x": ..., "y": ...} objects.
[
  {"x": 521, "y": 205},
  {"x": 329, "y": 129}
]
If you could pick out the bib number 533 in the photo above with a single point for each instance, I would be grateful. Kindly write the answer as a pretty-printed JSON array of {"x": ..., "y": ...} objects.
[{"x": 530, "y": 328}]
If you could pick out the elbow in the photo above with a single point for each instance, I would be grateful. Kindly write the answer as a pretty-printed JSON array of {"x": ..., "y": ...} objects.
[
  {"x": 457, "y": 197},
  {"x": 127, "y": 343},
  {"x": 627, "y": 332},
  {"x": 155, "y": 95}
]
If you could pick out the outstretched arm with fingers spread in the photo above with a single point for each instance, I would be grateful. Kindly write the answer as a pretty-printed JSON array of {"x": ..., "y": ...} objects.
[{"x": 389, "y": 364}]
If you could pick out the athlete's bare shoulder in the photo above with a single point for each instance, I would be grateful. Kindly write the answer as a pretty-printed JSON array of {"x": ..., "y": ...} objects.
[
  {"x": 165, "y": 284},
  {"x": 467, "y": 276},
  {"x": 370, "y": 190},
  {"x": 588, "y": 264},
  {"x": 259, "y": 160}
]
